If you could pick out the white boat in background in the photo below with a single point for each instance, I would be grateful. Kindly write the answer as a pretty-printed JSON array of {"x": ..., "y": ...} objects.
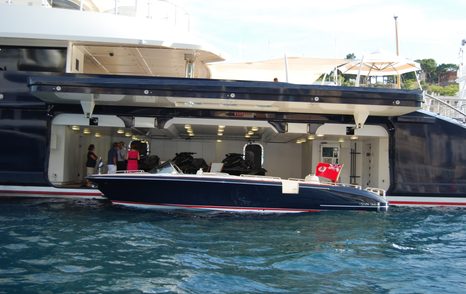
[{"x": 91, "y": 75}]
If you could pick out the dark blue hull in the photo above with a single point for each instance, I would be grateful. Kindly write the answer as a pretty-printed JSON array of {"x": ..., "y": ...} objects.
[{"x": 232, "y": 194}]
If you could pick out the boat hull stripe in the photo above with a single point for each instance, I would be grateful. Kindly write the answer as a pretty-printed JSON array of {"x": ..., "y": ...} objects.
[
  {"x": 213, "y": 207},
  {"x": 427, "y": 203},
  {"x": 15, "y": 191}
]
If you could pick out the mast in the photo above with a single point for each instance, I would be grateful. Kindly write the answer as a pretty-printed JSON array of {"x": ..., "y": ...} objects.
[
  {"x": 462, "y": 76},
  {"x": 398, "y": 77}
]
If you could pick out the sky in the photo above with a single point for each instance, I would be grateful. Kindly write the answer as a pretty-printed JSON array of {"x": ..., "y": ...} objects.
[{"x": 252, "y": 30}]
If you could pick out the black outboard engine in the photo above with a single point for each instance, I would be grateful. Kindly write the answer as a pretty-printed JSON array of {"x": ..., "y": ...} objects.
[
  {"x": 235, "y": 164},
  {"x": 188, "y": 164}
]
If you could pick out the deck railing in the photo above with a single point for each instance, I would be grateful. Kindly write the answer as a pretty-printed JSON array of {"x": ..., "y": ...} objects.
[
  {"x": 161, "y": 10},
  {"x": 452, "y": 107}
]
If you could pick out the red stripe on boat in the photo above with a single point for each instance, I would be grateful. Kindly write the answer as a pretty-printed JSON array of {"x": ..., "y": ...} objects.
[{"x": 391, "y": 202}]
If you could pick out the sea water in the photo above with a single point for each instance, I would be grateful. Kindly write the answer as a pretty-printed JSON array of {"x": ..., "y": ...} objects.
[{"x": 88, "y": 246}]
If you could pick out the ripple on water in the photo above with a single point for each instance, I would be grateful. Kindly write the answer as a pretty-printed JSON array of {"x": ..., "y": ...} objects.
[
  {"x": 10, "y": 271},
  {"x": 144, "y": 285},
  {"x": 225, "y": 283},
  {"x": 44, "y": 261},
  {"x": 313, "y": 263},
  {"x": 196, "y": 261},
  {"x": 403, "y": 248},
  {"x": 77, "y": 268},
  {"x": 50, "y": 278},
  {"x": 16, "y": 246}
]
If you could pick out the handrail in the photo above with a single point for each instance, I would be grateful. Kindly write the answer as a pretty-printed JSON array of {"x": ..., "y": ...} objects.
[
  {"x": 140, "y": 171},
  {"x": 296, "y": 179},
  {"x": 348, "y": 185},
  {"x": 161, "y": 10},
  {"x": 260, "y": 177},
  {"x": 378, "y": 191},
  {"x": 445, "y": 106}
]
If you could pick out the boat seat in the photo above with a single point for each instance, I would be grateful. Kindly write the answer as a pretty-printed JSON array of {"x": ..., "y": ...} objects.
[{"x": 312, "y": 179}]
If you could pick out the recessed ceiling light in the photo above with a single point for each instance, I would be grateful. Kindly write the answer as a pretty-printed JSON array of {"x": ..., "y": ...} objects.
[
  {"x": 300, "y": 141},
  {"x": 75, "y": 128}
]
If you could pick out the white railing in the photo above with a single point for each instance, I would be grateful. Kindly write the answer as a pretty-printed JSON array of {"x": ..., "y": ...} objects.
[
  {"x": 452, "y": 107},
  {"x": 160, "y": 10},
  {"x": 260, "y": 177},
  {"x": 29, "y": 2},
  {"x": 378, "y": 191}
]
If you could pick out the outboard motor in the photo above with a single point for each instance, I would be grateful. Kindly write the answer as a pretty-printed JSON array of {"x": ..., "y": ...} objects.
[
  {"x": 188, "y": 164},
  {"x": 235, "y": 164}
]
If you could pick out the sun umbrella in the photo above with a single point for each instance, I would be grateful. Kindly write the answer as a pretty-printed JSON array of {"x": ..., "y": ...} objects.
[{"x": 380, "y": 64}]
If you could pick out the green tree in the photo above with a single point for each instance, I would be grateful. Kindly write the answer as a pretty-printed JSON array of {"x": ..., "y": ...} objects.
[
  {"x": 449, "y": 90},
  {"x": 350, "y": 56},
  {"x": 429, "y": 67},
  {"x": 409, "y": 76},
  {"x": 410, "y": 84},
  {"x": 446, "y": 67}
]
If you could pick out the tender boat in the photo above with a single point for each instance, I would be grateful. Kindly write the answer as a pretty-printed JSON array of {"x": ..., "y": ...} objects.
[{"x": 168, "y": 188}]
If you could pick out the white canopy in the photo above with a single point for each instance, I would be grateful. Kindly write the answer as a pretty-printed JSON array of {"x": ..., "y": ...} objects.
[
  {"x": 380, "y": 64},
  {"x": 299, "y": 70}
]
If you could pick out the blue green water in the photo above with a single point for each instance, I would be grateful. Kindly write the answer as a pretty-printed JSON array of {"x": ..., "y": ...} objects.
[{"x": 63, "y": 246}]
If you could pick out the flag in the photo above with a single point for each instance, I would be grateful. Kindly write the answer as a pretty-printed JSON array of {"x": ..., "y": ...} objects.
[{"x": 329, "y": 171}]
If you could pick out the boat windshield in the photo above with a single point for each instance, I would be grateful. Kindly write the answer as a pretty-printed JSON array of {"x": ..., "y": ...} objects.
[{"x": 167, "y": 167}]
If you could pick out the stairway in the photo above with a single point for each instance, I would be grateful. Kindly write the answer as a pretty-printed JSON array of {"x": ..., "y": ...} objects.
[{"x": 452, "y": 107}]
